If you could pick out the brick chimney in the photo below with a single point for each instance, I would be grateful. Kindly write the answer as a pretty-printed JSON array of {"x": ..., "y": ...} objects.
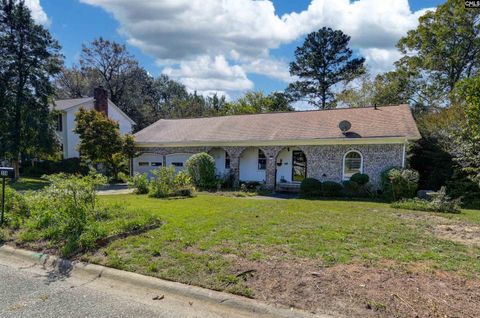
[{"x": 100, "y": 103}]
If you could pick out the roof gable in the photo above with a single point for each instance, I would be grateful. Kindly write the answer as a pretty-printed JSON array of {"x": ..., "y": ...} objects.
[{"x": 67, "y": 104}]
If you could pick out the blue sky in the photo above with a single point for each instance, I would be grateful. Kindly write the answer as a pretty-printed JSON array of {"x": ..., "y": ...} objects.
[{"x": 228, "y": 46}]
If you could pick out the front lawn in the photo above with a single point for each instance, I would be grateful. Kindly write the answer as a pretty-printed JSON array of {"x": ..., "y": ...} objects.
[
  {"x": 203, "y": 238},
  {"x": 304, "y": 253}
]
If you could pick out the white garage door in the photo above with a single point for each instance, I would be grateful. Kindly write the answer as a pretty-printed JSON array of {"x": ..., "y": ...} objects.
[
  {"x": 147, "y": 162},
  {"x": 177, "y": 160}
]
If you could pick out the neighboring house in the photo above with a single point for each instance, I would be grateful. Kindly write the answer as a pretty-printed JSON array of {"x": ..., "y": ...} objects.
[
  {"x": 284, "y": 148},
  {"x": 66, "y": 118}
]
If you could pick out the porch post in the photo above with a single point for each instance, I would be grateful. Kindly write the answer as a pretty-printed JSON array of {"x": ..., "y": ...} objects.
[
  {"x": 235, "y": 170},
  {"x": 234, "y": 153},
  {"x": 271, "y": 172}
]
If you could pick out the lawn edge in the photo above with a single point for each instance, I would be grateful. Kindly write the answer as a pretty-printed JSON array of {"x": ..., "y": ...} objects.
[{"x": 234, "y": 302}]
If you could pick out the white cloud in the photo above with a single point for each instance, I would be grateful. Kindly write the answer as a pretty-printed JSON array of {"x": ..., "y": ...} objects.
[
  {"x": 206, "y": 74},
  {"x": 37, "y": 12},
  {"x": 235, "y": 36},
  {"x": 380, "y": 60},
  {"x": 227, "y": 96},
  {"x": 370, "y": 23},
  {"x": 269, "y": 67}
]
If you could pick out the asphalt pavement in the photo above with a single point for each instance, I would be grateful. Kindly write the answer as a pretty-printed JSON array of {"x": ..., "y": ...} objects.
[
  {"x": 31, "y": 291},
  {"x": 38, "y": 285}
]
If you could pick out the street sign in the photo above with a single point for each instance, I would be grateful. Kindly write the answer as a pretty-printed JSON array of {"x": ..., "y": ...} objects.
[{"x": 5, "y": 172}]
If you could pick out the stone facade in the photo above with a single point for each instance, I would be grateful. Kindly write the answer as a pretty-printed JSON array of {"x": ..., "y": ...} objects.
[{"x": 324, "y": 162}]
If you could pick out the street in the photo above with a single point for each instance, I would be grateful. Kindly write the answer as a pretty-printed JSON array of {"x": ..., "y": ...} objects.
[{"x": 28, "y": 290}]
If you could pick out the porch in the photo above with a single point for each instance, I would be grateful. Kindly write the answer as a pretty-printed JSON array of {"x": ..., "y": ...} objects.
[{"x": 279, "y": 168}]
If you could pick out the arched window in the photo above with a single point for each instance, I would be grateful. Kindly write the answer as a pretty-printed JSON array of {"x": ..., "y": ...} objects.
[{"x": 352, "y": 163}]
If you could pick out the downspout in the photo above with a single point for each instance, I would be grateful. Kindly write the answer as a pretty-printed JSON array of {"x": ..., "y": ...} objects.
[{"x": 404, "y": 154}]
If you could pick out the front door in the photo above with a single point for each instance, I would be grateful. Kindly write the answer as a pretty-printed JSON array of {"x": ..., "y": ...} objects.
[{"x": 299, "y": 166}]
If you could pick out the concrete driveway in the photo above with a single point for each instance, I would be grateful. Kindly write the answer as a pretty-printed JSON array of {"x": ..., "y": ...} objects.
[{"x": 112, "y": 189}]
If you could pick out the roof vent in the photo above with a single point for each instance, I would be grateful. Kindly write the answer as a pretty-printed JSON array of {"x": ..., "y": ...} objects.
[{"x": 344, "y": 126}]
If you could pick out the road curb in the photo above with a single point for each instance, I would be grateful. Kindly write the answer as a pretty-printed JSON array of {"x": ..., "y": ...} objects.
[{"x": 246, "y": 305}]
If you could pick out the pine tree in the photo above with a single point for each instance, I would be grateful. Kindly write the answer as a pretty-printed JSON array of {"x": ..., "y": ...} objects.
[
  {"x": 29, "y": 57},
  {"x": 323, "y": 61}
]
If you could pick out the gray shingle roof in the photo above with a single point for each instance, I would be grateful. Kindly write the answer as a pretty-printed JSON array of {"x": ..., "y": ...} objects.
[
  {"x": 389, "y": 121},
  {"x": 64, "y": 104}
]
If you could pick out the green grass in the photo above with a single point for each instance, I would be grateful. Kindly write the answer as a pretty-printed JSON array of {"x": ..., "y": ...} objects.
[
  {"x": 26, "y": 184},
  {"x": 200, "y": 237}
]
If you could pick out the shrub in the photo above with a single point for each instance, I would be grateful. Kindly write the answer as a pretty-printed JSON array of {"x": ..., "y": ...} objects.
[
  {"x": 360, "y": 178},
  {"x": 166, "y": 184},
  {"x": 311, "y": 187},
  {"x": 440, "y": 203},
  {"x": 412, "y": 204},
  {"x": 65, "y": 211},
  {"x": 123, "y": 177},
  {"x": 443, "y": 203},
  {"x": 459, "y": 186},
  {"x": 227, "y": 180},
  {"x": 46, "y": 167},
  {"x": 351, "y": 188},
  {"x": 139, "y": 182},
  {"x": 92, "y": 232},
  {"x": 201, "y": 169},
  {"x": 243, "y": 187},
  {"x": 162, "y": 182},
  {"x": 71, "y": 166},
  {"x": 331, "y": 189},
  {"x": 183, "y": 185},
  {"x": 16, "y": 208},
  {"x": 398, "y": 183},
  {"x": 250, "y": 185}
]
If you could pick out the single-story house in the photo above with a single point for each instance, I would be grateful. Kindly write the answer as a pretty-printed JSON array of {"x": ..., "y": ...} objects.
[
  {"x": 285, "y": 148},
  {"x": 67, "y": 108}
]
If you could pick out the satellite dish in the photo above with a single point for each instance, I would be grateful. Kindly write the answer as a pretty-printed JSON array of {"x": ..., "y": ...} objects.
[{"x": 344, "y": 126}]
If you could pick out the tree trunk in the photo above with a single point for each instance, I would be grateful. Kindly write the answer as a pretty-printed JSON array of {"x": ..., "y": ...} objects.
[
  {"x": 324, "y": 98},
  {"x": 16, "y": 166}
]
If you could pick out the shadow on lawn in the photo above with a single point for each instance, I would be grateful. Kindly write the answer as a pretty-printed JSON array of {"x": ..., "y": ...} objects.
[{"x": 28, "y": 184}]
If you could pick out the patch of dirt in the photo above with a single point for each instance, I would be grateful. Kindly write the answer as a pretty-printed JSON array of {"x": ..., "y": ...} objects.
[
  {"x": 361, "y": 290},
  {"x": 460, "y": 232},
  {"x": 464, "y": 233}
]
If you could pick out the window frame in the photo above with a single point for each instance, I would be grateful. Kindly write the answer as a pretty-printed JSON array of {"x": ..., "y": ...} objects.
[
  {"x": 59, "y": 123},
  {"x": 347, "y": 177},
  {"x": 227, "y": 161},
  {"x": 261, "y": 166}
]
